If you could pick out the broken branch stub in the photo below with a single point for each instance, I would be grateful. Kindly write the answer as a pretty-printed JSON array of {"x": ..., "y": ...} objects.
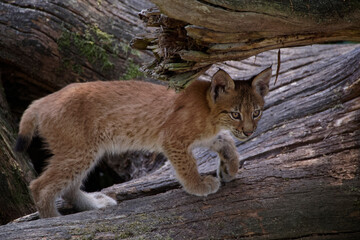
[{"x": 166, "y": 41}]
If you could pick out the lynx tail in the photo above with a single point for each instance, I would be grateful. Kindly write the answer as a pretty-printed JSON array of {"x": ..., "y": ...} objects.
[{"x": 26, "y": 130}]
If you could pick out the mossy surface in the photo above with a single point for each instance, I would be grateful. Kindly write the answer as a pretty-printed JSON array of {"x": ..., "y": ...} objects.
[
  {"x": 133, "y": 71},
  {"x": 94, "y": 46},
  {"x": 98, "y": 48},
  {"x": 137, "y": 226}
]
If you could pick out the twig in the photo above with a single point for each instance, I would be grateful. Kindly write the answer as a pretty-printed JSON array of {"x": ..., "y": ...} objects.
[{"x": 278, "y": 66}]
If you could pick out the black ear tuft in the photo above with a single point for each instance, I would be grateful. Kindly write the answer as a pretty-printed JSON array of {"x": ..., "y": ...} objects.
[
  {"x": 221, "y": 83},
  {"x": 261, "y": 82}
]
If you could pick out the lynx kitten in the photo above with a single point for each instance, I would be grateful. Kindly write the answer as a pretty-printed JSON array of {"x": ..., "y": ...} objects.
[{"x": 83, "y": 121}]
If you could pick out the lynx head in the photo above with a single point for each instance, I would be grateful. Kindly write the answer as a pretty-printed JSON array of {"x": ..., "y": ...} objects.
[{"x": 238, "y": 105}]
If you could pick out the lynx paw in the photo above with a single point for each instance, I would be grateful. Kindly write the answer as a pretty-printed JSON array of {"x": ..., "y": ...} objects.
[
  {"x": 101, "y": 200},
  {"x": 208, "y": 185},
  {"x": 227, "y": 171}
]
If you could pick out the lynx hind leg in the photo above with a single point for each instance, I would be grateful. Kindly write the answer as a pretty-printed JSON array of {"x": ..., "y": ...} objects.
[
  {"x": 63, "y": 175},
  {"x": 46, "y": 188},
  {"x": 44, "y": 197},
  {"x": 187, "y": 173},
  {"x": 224, "y": 145},
  {"x": 83, "y": 201}
]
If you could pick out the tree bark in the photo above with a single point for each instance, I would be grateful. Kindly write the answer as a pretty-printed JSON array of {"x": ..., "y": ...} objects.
[
  {"x": 192, "y": 35},
  {"x": 16, "y": 170},
  {"x": 300, "y": 179}
]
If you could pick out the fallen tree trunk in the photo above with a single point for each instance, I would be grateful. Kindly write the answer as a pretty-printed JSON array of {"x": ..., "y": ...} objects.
[
  {"x": 191, "y": 35},
  {"x": 300, "y": 178}
]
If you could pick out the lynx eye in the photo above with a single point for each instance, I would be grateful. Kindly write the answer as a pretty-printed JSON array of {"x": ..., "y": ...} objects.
[
  {"x": 235, "y": 115},
  {"x": 256, "y": 113}
]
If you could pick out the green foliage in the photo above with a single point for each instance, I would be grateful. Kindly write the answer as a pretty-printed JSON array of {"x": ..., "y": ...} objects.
[
  {"x": 133, "y": 71},
  {"x": 94, "y": 45},
  {"x": 125, "y": 47}
]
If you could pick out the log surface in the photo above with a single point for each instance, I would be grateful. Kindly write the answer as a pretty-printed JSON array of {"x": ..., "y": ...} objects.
[
  {"x": 263, "y": 16},
  {"x": 300, "y": 179}
]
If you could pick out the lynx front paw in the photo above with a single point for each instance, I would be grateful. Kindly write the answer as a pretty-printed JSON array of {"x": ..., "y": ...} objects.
[
  {"x": 206, "y": 186},
  {"x": 227, "y": 171}
]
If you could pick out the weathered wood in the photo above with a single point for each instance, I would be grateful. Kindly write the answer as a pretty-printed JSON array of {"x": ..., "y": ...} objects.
[
  {"x": 281, "y": 16},
  {"x": 201, "y": 33},
  {"x": 300, "y": 178}
]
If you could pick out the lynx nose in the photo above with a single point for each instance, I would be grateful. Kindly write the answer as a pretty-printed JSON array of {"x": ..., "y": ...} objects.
[{"x": 248, "y": 133}]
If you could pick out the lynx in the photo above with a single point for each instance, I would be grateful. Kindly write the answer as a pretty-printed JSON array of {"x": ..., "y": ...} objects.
[{"x": 83, "y": 121}]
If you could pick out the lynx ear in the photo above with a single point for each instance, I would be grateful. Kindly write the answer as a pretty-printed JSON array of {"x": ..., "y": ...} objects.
[
  {"x": 221, "y": 83},
  {"x": 261, "y": 82}
]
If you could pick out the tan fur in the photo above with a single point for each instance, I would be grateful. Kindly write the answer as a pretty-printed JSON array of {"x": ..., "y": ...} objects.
[{"x": 83, "y": 121}]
